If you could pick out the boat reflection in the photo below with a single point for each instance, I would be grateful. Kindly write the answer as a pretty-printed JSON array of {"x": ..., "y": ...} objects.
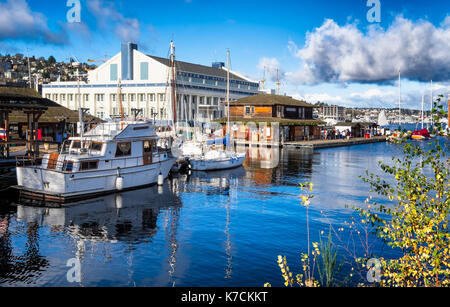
[{"x": 129, "y": 216}]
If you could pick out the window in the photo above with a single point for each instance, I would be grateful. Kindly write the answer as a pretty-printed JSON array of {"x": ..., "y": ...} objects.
[
  {"x": 141, "y": 97},
  {"x": 70, "y": 97},
  {"x": 123, "y": 149},
  {"x": 148, "y": 146},
  {"x": 144, "y": 71},
  {"x": 48, "y": 96},
  {"x": 63, "y": 97},
  {"x": 113, "y": 72},
  {"x": 76, "y": 145},
  {"x": 113, "y": 97},
  {"x": 249, "y": 111},
  {"x": 86, "y": 97},
  {"x": 132, "y": 97},
  {"x": 96, "y": 146},
  {"x": 68, "y": 166},
  {"x": 151, "y": 97},
  {"x": 88, "y": 165},
  {"x": 55, "y": 97},
  {"x": 100, "y": 97},
  {"x": 162, "y": 97}
]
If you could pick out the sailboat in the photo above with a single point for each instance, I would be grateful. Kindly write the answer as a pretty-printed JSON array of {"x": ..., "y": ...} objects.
[
  {"x": 220, "y": 159},
  {"x": 423, "y": 133},
  {"x": 382, "y": 120}
]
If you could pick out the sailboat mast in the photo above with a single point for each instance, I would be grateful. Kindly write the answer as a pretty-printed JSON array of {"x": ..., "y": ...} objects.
[
  {"x": 431, "y": 103},
  {"x": 399, "y": 98},
  {"x": 174, "y": 97},
  {"x": 423, "y": 102},
  {"x": 228, "y": 94}
]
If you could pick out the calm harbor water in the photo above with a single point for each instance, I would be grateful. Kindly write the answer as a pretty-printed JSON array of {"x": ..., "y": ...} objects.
[{"x": 217, "y": 229}]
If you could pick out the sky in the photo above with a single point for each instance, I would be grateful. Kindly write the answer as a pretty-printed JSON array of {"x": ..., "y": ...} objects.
[{"x": 346, "y": 52}]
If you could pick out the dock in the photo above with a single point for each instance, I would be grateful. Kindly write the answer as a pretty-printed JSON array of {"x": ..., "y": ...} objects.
[{"x": 316, "y": 144}]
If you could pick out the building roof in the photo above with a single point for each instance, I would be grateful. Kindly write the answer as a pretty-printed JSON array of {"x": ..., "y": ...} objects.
[
  {"x": 269, "y": 100},
  {"x": 198, "y": 69},
  {"x": 271, "y": 120},
  {"x": 19, "y": 99}
]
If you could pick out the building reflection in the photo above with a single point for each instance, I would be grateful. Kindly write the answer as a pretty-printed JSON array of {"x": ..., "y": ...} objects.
[{"x": 269, "y": 165}]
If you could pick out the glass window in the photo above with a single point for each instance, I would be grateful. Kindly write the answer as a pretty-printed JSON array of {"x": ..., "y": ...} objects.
[
  {"x": 76, "y": 145},
  {"x": 123, "y": 149},
  {"x": 144, "y": 71},
  {"x": 113, "y": 72},
  {"x": 88, "y": 165},
  {"x": 68, "y": 166}
]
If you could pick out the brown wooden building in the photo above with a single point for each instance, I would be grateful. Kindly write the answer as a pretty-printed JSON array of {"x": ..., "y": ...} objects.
[{"x": 255, "y": 118}]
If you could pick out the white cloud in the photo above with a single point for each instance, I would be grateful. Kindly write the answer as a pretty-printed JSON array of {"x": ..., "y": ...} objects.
[
  {"x": 126, "y": 29},
  {"x": 272, "y": 69},
  {"x": 17, "y": 21},
  {"x": 334, "y": 53}
]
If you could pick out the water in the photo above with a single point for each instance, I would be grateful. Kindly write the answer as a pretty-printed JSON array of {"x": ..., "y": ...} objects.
[{"x": 216, "y": 229}]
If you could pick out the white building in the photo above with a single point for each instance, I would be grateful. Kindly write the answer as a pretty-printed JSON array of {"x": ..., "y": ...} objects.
[{"x": 146, "y": 84}]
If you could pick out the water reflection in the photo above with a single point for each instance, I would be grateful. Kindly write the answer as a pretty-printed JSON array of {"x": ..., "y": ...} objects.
[
  {"x": 23, "y": 266},
  {"x": 222, "y": 228},
  {"x": 129, "y": 216}
]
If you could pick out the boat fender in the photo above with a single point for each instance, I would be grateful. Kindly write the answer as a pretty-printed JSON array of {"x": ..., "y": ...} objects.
[
  {"x": 119, "y": 183},
  {"x": 160, "y": 179}
]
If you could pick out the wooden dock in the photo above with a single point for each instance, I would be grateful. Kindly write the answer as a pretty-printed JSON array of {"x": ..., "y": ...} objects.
[{"x": 316, "y": 144}]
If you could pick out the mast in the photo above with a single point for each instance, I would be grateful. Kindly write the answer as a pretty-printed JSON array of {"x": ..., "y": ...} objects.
[
  {"x": 423, "y": 102},
  {"x": 278, "y": 83},
  {"x": 431, "y": 104},
  {"x": 80, "y": 110},
  {"x": 228, "y": 96},
  {"x": 263, "y": 81},
  {"x": 174, "y": 97},
  {"x": 399, "y": 98}
]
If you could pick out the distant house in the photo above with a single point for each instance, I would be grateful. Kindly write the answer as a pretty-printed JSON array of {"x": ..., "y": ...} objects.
[
  {"x": 356, "y": 130},
  {"x": 294, "y": 117}
]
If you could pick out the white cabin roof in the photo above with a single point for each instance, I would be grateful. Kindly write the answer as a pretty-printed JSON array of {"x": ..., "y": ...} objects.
[{"x": 122, "y": 130}]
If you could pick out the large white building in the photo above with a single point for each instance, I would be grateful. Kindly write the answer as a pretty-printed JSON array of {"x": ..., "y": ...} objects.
[{"x": 146, "y": 84}]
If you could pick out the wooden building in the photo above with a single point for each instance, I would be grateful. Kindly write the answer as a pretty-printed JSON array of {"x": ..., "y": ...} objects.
[
  {"x": 356, "y": 130},
  {"x": 272, "y": 118},
  {"x": 27, "y": 117}
]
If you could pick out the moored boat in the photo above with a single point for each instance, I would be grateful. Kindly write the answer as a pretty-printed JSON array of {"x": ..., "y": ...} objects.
[
  {"x": 420, "y": 135},
  {"x": 111, "y": 157}
]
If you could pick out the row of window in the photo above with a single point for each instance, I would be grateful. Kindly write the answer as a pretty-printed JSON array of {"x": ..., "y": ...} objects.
[
  {"x": 216, "y": 83},
  {"x": 101, "y": 97}
]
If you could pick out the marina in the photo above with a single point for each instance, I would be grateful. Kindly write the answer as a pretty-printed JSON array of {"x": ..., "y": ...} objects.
[
  {"x": 223, "y": 228},
  {"x": 225, "y": 151}
]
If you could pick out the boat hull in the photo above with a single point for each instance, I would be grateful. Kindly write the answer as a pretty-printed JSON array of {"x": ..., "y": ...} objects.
[
  {"x": 60, "y": 186},
  {"x": 214, "y": 165}
]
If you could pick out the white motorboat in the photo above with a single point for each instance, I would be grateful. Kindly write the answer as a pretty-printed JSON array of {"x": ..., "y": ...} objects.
[
  {"x": 111, "y": 157},
  {"x": 217, "y": 160}
]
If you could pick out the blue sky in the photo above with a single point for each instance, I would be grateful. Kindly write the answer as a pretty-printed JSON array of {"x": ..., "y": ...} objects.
[{"x": 324, "y": 50}]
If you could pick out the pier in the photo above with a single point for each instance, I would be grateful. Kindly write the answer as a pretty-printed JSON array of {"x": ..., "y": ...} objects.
[{"x": 315, "y": 144}]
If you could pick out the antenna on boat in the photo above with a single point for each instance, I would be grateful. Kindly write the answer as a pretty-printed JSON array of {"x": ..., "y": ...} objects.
[
  {"x": 80, "y": 110},
  {"x": 119, "y": 86}
]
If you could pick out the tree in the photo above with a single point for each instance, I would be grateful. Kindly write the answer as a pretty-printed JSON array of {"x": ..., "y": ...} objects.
[
  {"x": 417, "y": 221},
  {"x": 51, "y": 60}
]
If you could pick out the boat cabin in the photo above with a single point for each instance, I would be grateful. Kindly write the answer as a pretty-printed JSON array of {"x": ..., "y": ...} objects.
[{"x": 109, "y": 147}]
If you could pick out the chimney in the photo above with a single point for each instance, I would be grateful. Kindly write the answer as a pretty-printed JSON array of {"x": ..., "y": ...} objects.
[{"x": 127, "y": 60}]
